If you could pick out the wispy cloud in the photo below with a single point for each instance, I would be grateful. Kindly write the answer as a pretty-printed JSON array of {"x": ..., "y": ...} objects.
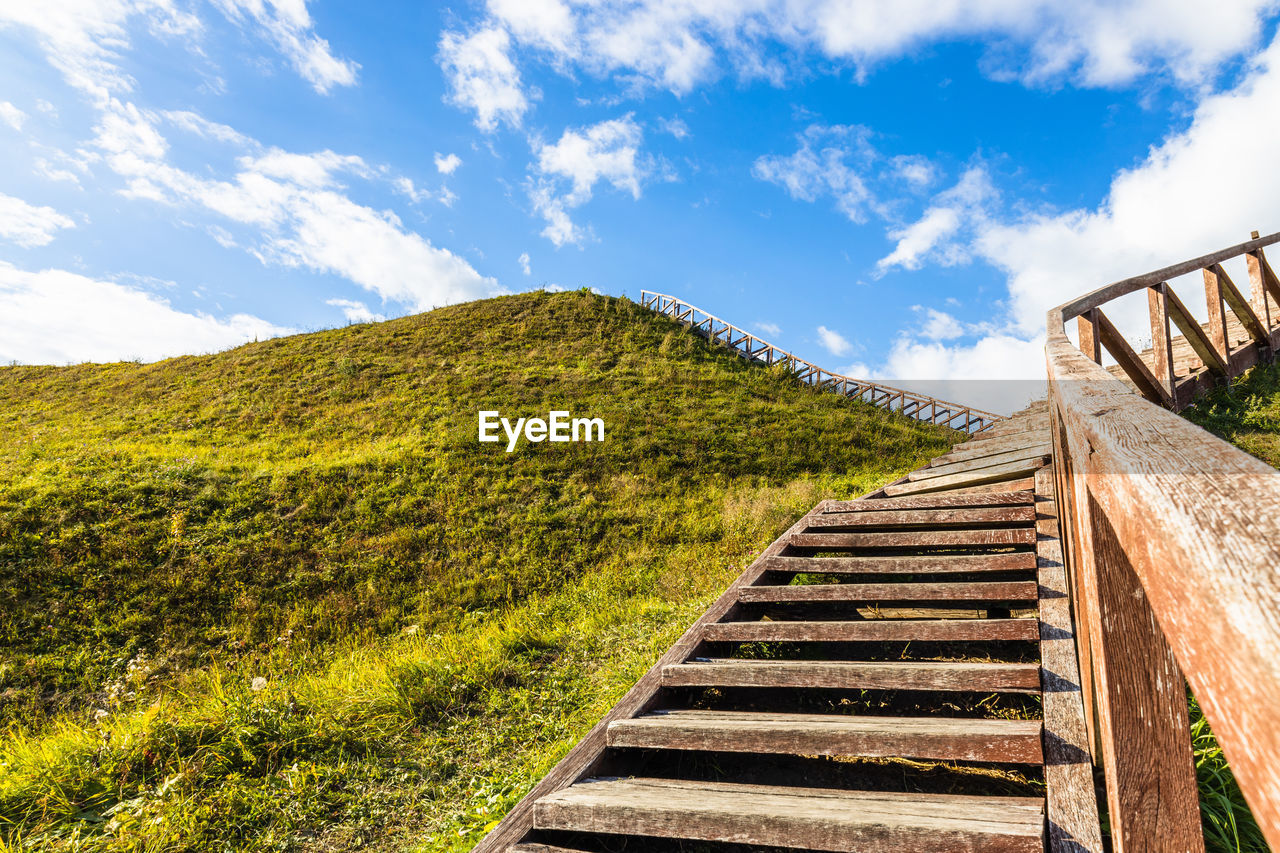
[
  {"x": 583, "y": 157},
  {"x": 833, "y": 342},
  {"x": 29, "y": 225}
]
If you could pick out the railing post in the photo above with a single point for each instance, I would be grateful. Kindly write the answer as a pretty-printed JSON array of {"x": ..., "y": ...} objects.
[
  {"x": 1146, "y": 738},
  {"x": 1162, "y": 339},
  {"x": 1218, "y": 332},
  {"x": 1090, "y": 340}
]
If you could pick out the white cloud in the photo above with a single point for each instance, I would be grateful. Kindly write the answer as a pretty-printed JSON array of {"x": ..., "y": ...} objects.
[
  {"x": 834, "y": 342},
  {"x": 933, "y": 236},
  {"x": 45, "y": 169},
  {"x": 830, "y": 161},
  {"x": 482, "y": 76},
  {"x": 202, "y": 127},
  {"x": 83, "y": 39},
  {"x": 406, "y": 187},
  {"x": 604, "y": 151},
  {"x": 58, "y": 317},
  {"x": 675, "y": 126},
  {"x": 524, "y": 264},
  {"x": 679, "y": 46},
  {"x": 940, "y": 326},
  {"x": 288, "y": 25},
  {"x": 768, "y": 328},
  {"x": 1153, "y": 215},
  {"x": 355, "y": 312},
  {"x": 447, "y": 165},
  {"x": 545, "y": 23},
  {"x": 560, "y": 229},
  {"x": 607, "y": 151},
  {"x": 298, "y": 212},
  {"x": 915, "y": 240},
  {"x": 29, "y": 225},
  {"x": 914, "y": 170},
  {"x": 11, "y": 115}
]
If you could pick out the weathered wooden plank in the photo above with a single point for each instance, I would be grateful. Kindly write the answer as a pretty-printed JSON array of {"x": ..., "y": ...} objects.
[
  {"x": 1023, "y": 484},
  {"x": 1018, "y": 426},
  {"x": 1161, "y": 340},
  {"x": 1166, "y": 504},
  {"x": 1105, "y": 294},
  {"x": 981, "y": 476},
  {"x": 942, "y": 738},
  {"x": 1240, "y": 307},
  {"x": 884, "y": 592},
  {"x": 587, "y": 754},
  {"x": 923, "y": 565},
  {"x": 1087, "y": 332},
  {"x": 915, "y": 539},
  {"x": 979, "y": 448},
  {"x": 941, "y": 468},
  {"x": 541, "y": 848},
  {"x": 809, "y": 818},
  {"x": 1265, "y": 287},
  {"x": 855, "y": 675},
  {"x": 874, "y": 630},
  {"x": 1194, "y": 334},
  {"x": 1071, "y": 804},
  {"x": 928, "y": 502},
  {"x": 1217, "y": 324},
  {"x": 930, "y": 518}
]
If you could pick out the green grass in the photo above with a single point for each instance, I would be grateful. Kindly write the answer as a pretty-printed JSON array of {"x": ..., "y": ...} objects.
[
  {"x": 1247, "y": 414},
  {"x": 431, "y": 622}
]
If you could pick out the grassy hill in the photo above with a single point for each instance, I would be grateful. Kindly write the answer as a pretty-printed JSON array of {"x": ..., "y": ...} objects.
[{"x": 281, "y": 598}]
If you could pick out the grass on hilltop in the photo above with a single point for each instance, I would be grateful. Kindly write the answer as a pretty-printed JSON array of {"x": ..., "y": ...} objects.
[{"x": 281, "y": 598}]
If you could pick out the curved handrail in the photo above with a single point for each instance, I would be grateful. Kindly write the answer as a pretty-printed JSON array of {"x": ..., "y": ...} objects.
[
  {"x": 1173, "y": 546},
  {"x": 910, "y": 403}
]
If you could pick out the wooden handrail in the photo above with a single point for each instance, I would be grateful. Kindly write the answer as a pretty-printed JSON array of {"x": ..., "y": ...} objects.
[
  {"x": 919, "y": 407},
  {"x": 1173, "y": 551}
]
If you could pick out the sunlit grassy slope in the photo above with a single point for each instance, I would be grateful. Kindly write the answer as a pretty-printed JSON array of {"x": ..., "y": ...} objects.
[{"x": 430, "y": 622}]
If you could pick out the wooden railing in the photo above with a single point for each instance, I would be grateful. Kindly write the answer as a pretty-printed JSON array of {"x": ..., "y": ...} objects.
[
  {"x": 1173, "y": 549},
  {"x": 921, "y": 407}
]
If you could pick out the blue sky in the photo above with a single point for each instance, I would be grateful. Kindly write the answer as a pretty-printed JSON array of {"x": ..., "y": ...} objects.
[{"x": 894, "y": 188}]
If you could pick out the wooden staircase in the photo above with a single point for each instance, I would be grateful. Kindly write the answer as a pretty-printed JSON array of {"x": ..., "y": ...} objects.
[{"x": 896, "y": 672}]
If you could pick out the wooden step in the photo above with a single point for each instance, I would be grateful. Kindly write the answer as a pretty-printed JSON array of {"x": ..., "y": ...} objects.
[
  {"x": 944, "y": 465},
  {"x": 981, "y": 677},
  {"x": 941, "y": 738},
  {"x": 987, "y": 446},
  {"x": 873, "y": 630},
  {"x": 806, "y": 818},
  {"x": 927, "y": 518},
  {"x": 1010, "y": 498},
  {"x": 916, "y": 539},
  {"x": 921, "y": 564},
  {"x": 977, "y": 476},
  {"x": 1018, "y": 426},
  {"x": 884, "y": 592}
]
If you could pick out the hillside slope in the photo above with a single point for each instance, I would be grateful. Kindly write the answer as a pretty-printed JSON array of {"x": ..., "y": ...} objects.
[{"x": 281, "y": 598}]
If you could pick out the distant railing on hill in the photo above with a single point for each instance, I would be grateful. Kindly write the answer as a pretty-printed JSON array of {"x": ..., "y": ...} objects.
[
  {"x": 921, "y": 407},
  {"x": 1172, "y": 544}
]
